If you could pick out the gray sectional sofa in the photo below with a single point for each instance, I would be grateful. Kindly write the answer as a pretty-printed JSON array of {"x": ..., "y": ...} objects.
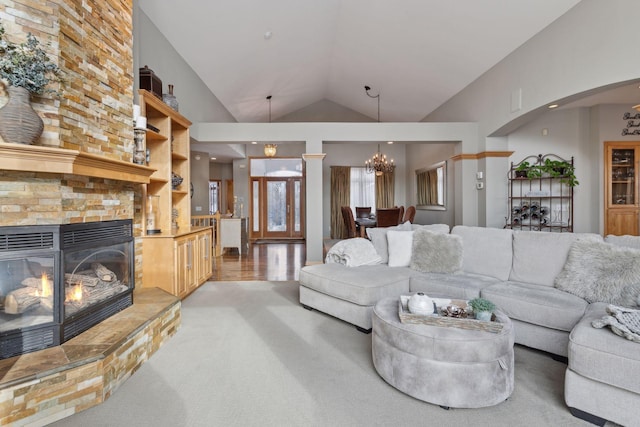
[{"x": 542, "y": 281}]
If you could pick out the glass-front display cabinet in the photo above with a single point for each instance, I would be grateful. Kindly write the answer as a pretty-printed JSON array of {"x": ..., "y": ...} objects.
[{"x": 621, "y": 187}]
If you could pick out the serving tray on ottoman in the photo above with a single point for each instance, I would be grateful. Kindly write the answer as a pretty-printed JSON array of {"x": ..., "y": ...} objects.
[{"x": 445, "y": 321}]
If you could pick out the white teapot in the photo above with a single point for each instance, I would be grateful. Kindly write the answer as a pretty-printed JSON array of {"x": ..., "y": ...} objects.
[{"x": 420, "y": 303}]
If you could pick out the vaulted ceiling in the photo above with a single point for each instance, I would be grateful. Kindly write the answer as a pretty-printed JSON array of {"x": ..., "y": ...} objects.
[{"x": 415, "y": 53}]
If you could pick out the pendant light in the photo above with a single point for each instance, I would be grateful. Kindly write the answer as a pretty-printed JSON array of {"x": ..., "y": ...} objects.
[
  {"x": 378, "y": 163},
  {"x": 270, "y": 149}
]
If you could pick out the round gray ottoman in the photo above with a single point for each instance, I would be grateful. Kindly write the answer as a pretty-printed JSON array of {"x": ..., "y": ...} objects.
[{"x": 447, "y": 366}]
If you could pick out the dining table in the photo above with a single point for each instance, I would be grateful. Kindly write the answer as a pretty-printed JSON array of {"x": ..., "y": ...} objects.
[{"x": 364, "y": 223}]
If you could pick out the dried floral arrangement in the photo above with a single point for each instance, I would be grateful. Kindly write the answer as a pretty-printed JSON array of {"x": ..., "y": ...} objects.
[{"x": 27, "y": 65}]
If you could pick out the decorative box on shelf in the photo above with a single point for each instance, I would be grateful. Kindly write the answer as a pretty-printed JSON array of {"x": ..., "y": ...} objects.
[
  {"x": 445, "y": 321},
  {"x": 150, "y": 82}
]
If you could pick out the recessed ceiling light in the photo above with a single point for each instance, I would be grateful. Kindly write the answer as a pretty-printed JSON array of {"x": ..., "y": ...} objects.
[
  {"x": 254, "y": 142},
  {"x": 268, "y": 35},
  {"x": 389, "y": 142},
  {"x": 553, "y": 106},
  {"x": 213, "y": 158}
]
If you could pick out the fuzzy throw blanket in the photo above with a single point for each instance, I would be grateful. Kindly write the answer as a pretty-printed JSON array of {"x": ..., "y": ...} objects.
[
  {"x": 353, "y": 252},
  {"x": 622, "y": 321}
]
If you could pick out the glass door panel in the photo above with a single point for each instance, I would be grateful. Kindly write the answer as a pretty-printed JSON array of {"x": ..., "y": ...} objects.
[
  {"x": 297, "y": 225},
  {"x": 622, "y": 177},
  {"x": 277, "y": 206}
]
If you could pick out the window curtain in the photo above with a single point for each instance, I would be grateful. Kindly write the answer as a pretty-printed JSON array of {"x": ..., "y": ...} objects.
[
  {"x": 363, "y": 186},
  {"x": 427, "y": 187},
  {"x": 340, "y": 196},
  {"x": 433, "y": 186},
  {"x": 385, "y": 193}
]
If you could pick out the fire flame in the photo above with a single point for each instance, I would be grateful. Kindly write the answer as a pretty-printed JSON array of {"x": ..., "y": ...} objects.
[
  {"x": 46, "y": 288},
  {"x": 75, "y": 294}
]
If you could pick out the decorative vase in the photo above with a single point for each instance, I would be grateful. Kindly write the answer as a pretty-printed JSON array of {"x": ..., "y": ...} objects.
[
  {"x": 170, "y": 99},
  {"x": 176, "y": 180},
  {"x": 421, "y": 304},
  {"x": 484, "y": 316},
  {"x": 19, "y": 123}
]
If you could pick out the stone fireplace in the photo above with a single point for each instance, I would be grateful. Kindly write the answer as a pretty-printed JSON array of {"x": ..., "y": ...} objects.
[
  {"x": 80, "y": 172},
  {"x": 58, "y": 281}
]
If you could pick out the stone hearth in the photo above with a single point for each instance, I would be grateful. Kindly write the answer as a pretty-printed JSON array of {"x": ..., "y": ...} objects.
[{"x": 44, "y": 386}]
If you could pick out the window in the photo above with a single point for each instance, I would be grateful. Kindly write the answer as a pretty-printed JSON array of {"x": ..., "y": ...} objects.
[
  {"x": 431, "y": 187},
  {"x": 214, "y": 197},
  {"x": 363, "y": 189}
]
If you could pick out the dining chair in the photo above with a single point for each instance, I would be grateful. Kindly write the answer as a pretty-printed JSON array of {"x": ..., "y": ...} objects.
[
  {"x": 387, "y": 217},
  {"x": 349, "y": 222},
  {"x": 401, "y": 214},
  {"x": 363, "y": 212},
  {"x": 409, "y": 214}
]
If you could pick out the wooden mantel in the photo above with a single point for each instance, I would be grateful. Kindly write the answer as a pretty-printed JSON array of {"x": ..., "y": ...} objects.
[{"x": 33, "y": 158}]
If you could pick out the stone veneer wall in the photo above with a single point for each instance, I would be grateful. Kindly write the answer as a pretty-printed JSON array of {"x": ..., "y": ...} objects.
[{"x": 93, "y": 42}]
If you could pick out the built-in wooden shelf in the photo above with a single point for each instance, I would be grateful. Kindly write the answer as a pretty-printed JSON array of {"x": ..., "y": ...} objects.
[{"x": 34, "y": 158}]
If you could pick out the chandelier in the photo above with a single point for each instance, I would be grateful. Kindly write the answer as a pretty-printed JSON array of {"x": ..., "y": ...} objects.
[
  {"x": 270, "y": 149},
  {"x": 379, "y": 164}
]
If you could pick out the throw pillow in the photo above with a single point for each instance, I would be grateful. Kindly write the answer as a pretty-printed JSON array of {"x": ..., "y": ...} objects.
[
  {"x": 598, "y": 271},
  {"x": 436, "y": 252},
  {"x": 436, "y": 228},
  {"x": 378, "y": 236},
  {"x": 400, "y": 244}
]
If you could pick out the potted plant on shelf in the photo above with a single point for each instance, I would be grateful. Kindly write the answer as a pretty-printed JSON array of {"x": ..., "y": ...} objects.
[
  {"x": 553, "y": 168},
  {"x": 25, "y": 70},
  {"x": 482, "y": 308},
  {"x": 560, "y": 169},
  {"x": 527, "y": 170}
]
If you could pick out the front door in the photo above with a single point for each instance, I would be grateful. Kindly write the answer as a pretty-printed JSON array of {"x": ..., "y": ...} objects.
[
  {"x": 277, "y": 207},
  {"x": 281, "y": 210}
]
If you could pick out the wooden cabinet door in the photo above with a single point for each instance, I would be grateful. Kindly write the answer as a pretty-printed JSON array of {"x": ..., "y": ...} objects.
[
  {"x": 203, "y": 260},
  {"x": 622, "y": 221},
  {"x": 183, "y": 258},
  {"x": 622, "y": 161}
]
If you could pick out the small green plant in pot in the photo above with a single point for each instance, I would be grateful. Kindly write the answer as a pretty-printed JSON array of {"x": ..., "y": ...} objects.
[
  {"x": 560, "y": 169},
  {"x": 527, "y": 170},
  {"x": 482, "y": 308}
]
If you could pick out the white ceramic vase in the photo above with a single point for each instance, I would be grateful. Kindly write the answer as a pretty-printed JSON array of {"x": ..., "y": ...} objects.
[{"x": 421, "y": 304}]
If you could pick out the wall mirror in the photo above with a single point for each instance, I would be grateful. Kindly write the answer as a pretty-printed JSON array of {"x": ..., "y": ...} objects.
[{"x": 431, "y": 187}]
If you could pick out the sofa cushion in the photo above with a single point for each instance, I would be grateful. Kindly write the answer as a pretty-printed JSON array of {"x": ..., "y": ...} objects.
[
  {"x": 627, "y": 241},
  {"x": 435, "y": 252},
  {"x": 539, "y": 256},
  {"x": 603, "y": 356},
  {"x": 364, "y": 285},
  {"x": 598, "y": 271},
  {"x": 486, "y": 251},
  {"x": 538, "y": 305},
  {"x": 457, "y": 286},
  {"x": 378, "y": 236},
  {"x": 400, "y": 245}
]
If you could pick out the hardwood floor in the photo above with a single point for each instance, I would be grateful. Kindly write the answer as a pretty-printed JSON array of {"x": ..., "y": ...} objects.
[{"x": 264, "y": 261}]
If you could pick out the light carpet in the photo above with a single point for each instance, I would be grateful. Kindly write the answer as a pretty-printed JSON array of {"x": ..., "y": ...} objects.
[{"x": 247, "y": 354}]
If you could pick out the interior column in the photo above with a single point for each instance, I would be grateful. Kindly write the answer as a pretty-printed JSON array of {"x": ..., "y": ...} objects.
[{"x": 313, "y": 200}]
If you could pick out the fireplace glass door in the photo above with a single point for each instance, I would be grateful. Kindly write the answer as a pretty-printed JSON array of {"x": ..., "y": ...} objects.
[
  {"x": 26, "y": 290},
  {"x": 29, "y": 265},
  {"x": 94, "y": 275}
]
